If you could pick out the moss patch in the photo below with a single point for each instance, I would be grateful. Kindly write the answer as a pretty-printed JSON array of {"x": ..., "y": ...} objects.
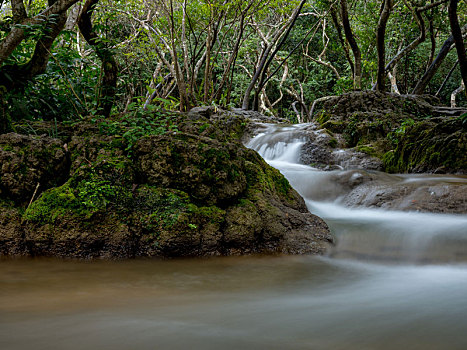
[{"x": 436, "y": 145}]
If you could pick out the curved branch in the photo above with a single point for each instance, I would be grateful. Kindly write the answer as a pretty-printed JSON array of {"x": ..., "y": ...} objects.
[
  {"x": 421, "y": 38},
  {"x": 109, "y": 65},
  {"x": 357, "y": 71},
  {"x": 431, "y": 71},
  {"x": 17, "y": 33},
  {"x": 458, "y": 40}
]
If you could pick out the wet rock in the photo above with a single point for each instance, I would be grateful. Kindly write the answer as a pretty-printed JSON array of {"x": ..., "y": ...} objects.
[
  {"x": 11, "y": 231},
  {"x": 442, "y": 194},
  {"x": 352, "y": 159},
  {"x": 408, "y": 133},
  {"x": 320, "y": 152},
  {"x": 437, "y": 145}
]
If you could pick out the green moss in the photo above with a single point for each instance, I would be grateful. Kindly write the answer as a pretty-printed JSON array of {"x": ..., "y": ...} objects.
[
  {"x": 322, "y": 117},
  {"x": 56, "y": 202},
  {"x": 265, "y": 178},
  {"x": 333, "y": 143},
  {"x": 7, "y": 148},
  {"x": 91, "y": 189},
  {"x": 367, "y": 149},
  {"x": 426, "y": 146},
  {"x": 210, "y": 214},
  {"x": 334, "y": 126},
  {"x": 203, "y": 127}
]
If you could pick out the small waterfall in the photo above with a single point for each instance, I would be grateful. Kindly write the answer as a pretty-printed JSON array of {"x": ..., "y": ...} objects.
[
  {"x": 364, "y": 233},
  {"x": 282, "y": 144}
]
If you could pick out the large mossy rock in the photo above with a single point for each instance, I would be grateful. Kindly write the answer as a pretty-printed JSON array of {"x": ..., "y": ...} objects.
[
  {"x": 408, "y": 133},
  {"x": 436, "y": 145},
  {"x": 29, "y": 161},
  {"x": 368, "y": 116},
  {"x": 196, "y": 191}
]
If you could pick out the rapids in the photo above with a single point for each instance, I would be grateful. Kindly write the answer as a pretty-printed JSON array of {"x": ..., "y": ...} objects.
[{"x": 366, "y": 233}]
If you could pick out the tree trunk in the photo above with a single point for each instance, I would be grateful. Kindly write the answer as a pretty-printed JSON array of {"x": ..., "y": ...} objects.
[
  {"x": 17, "y": 34},
  {"x": 357, "y": 71},
  {"x": 455, "y": 93},
  {"x": 16, "y": 76},
  {"x": 380, "y": 43},
  {"x": 344, "y": 44},
  {"x": 421, "y": 38},
  {"x": 458, "y": 40},
  {"x": 432, "y": 39},
  {"x": 109, "y": 65},
  {"x": 447, "y": 78},
  {"x": 431, "y": 71},
  {"x": 265, "y": 62}
]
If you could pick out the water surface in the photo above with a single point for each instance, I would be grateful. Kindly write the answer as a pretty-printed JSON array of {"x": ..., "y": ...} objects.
[{"x": 395, "y": 280}]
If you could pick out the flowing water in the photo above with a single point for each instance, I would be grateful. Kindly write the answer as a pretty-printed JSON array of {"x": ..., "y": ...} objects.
[{"x": 395, "y": 280}]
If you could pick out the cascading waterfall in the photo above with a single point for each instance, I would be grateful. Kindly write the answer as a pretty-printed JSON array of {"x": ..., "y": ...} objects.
[{"x": 364, "y": 233}]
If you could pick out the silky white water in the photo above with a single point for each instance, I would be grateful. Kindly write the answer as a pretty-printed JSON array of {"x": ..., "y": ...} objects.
[
  {"x": 395, "y": 280},
  {"x": 363, "y": 233}
]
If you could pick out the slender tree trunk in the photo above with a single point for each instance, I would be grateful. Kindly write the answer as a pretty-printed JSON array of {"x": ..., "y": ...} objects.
[
  {"x": 357, "y": 78},
  {"x": 40, "y": 58},
  {"x": 458, "y": 40},
  {"x": 234, "y": 54},
  {"x": 185, "y": 103},
  {"x": 421, "y": 38},
  {"x": 335, "y": 20},
  {"x": 380, "y": 42},
  {"x": 109, "y": 65},
  {"x": 264, "y": 70},
  {"x": 431, "y": 28},
  {"x": 207, "y": 67},
  {"x": 431, "y": 71},
  {"x": 265, "y": 62},
  {"x": 455, "y": 93},
  {"x": 18, "y": 11},
  {"x": 447, "y": 78}
]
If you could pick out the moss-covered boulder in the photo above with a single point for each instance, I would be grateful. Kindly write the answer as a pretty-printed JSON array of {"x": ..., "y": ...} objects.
[
  {"x": 367, "y": 117},
  {"x": 408, "y": 133},
  {"x": 30, "y": 161},
  {"x": 212, "y": 172},
  {"x": 189, "y": 190},
  {"x": 436, "y": 145}
]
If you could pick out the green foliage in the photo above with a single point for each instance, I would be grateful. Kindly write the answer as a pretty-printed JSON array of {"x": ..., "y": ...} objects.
[
  {"x": 70, "y": 87},
  {"x": 463, "y": 118},
  {"x": 397, "y": 134},
  {"x": 66, "y": 91},
  {"x": 138, "y": 123},
  {"x": 91, "y": 189}
]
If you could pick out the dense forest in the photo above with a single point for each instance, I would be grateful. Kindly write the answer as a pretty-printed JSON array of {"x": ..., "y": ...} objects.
[{"x": 66, "y": 59}]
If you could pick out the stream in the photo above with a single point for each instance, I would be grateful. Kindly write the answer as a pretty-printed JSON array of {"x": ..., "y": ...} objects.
[{"x": 395, "y": 279}]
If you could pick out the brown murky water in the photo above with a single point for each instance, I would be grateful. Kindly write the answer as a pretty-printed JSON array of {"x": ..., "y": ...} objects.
[{"x": 231, "y": 303}]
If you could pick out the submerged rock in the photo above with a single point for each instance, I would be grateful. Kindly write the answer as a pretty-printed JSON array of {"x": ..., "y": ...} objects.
[{"x": 424, "y": 193}]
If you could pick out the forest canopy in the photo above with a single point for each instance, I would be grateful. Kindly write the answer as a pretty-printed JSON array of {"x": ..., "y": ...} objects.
[{"x": 65, "y": 59}]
